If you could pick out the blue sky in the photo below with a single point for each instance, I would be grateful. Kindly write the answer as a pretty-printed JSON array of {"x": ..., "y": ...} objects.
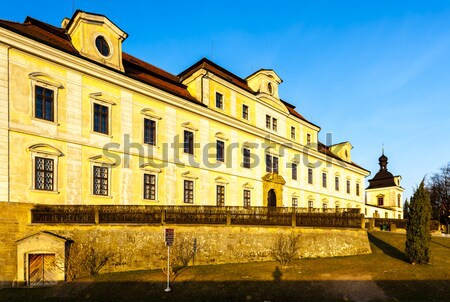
[{"x": 369, "y": 72}]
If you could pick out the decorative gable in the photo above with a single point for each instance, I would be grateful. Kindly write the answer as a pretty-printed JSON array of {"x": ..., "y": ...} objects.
[
  {"x": 97, "y": 38},
  {"x": 265, "y": 82},
  {"x": 342, "y": 150}
]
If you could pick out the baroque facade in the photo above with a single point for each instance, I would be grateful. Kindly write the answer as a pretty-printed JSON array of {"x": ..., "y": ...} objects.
[
  {"x": 384, "y": 195},
  {"x": 82, "y": 122}
]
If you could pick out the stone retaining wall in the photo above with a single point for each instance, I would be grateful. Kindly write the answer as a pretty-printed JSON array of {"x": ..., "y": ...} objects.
[{"x": 142, "y": 247}]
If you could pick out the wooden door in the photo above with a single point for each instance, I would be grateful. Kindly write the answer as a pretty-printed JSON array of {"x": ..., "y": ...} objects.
[
  {"x": 41, "y": 269},
  {"x": 272, "y": 198}
]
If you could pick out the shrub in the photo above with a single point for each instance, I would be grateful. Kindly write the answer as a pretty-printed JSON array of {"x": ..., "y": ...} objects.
[{"x": 285, "y": 248}]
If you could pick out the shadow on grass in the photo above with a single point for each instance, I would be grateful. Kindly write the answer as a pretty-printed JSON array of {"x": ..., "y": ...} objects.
[
  {"x": 387, "y": 248},
  {"x": 443, "y": 245},
  {"x": 217, "y": 291}
]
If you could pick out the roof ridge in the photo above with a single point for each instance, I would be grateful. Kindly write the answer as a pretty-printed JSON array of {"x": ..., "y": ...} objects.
[
  {"x": 173, "y": 78},
  {"x": 61, "y": 32},
  {"x": 9, "y": 21}
]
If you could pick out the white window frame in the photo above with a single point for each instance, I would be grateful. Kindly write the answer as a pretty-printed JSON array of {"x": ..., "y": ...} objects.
[
  {"x": 147, "y": 169},
  {"x": 247, "y": 186},
  {"x": 47, "y": 82},
  {"x": 100, "y": 161},
  {"x": 150, "y": 114},
  {"x": 35, "y": 152},
  {"x": 223, "y": 100},
  {"x": 248, "y": 112},
  {"x": 95, "y": 99},
  {"x": 188, "y": 175}
]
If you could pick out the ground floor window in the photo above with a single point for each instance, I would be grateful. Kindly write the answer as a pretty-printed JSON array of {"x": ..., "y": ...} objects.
[
  {"x": 220, "y": 195},
  {"x": 101, "y": 181},
  {"x": 188, "y": 191},
  {"x": 247, "y": 197},
  {"x": 150, "y": 186}
]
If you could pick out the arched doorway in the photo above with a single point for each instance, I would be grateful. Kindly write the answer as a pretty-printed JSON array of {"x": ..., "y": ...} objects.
[{"x": 272, "y": 198}]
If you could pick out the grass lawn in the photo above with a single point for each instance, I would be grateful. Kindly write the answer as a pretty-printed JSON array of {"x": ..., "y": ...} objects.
[{"x": 383, "y": 275}]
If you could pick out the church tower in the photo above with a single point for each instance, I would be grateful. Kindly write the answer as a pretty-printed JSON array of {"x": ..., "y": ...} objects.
[{"x": 384, "y": 194}]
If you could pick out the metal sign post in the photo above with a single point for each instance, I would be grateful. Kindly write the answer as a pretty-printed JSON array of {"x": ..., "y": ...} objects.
[{"x": 169, "y": 235}]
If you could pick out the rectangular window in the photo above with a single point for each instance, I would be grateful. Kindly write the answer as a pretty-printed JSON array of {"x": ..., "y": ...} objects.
[
  {"x": 294, "y": 202},
  {"x": 149, "y": 132},
  {"x": 310, "y": 205},
  {"x": 219, "y": 100},
  {"x": 271, "y": 163},
  {"x": 268, "y": 121},
  {"x": 336, "y": 183},
  {"x": 380, "y": 201},
  {"x": 247, "y": 197},
  {"x": 150, "y": 186},
  {"x": 308, "y": 139},
  {"x": 268, "y": 163},
  {"x": 44, "y": 172},
  {"x": 220, "y": 195},
  {"x": 324, "y": 207},
  {"x": 188, "y": 142},
  {"x": 348, "y": 186},
  {"x": 274, "y": 124},
  {"x": 357, "y": 189},
  {"x": 101, "y": 118},
  {"x": 310, "y": 176},
  {"x": 189, "y": 191},
  {"x": 292, "y": 132},
  {"x": 324, "y": 180},
  {"x": 294, "y": 171},
  {"x": 220, "y": 155},
  {"x": 100, "y": 181},
  {"x": 44, "y": 103},
  {"x": 245, "y": 112},
  {"x": 246, "y": 155}
]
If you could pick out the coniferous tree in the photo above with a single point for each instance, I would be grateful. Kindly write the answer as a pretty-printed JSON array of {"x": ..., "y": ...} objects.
[
  {"x": 418, "y": 234},
  {"x": 406, "y": 209}
]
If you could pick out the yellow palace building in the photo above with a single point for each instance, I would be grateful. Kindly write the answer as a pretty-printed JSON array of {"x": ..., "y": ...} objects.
[{"x": 82, "y": 122}]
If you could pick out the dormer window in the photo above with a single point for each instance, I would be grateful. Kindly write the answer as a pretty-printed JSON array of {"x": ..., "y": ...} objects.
[
  {"x": 270, "y": 88},
  {"x": 102, "y": 46}
]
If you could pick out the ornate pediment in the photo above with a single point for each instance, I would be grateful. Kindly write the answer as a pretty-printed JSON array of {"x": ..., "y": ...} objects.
[
  {"x": 221, "y": 180},
  {"x": 274, "y": 177},
  {"x": 45, "y": 149},
  {"x": 149, "y": 168},
  {"x": 45, "y": 79},
  {"x": 101, "y": 159},
  {"x": 189, "y": 175}
]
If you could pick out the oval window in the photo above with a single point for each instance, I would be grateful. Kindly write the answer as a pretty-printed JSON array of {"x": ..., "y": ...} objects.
[
  {"x": 102, "y": 46},
  {"x": 270, "y": 88}
]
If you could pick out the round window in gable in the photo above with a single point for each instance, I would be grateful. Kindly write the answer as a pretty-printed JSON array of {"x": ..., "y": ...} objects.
[
  {"x": 102, "y": 46},
  {"x": 270, "y": 88}
]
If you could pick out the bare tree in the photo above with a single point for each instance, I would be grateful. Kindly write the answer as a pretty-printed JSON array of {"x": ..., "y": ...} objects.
[
  {"x": 439, "y": 187},
  {"x": 285, "y": 248}
]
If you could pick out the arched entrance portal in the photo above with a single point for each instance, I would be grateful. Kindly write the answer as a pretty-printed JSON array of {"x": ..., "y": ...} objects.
[{"x": 272, "y": 198}]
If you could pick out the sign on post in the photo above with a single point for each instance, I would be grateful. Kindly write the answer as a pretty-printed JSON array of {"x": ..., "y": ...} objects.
[{"x": 169, "y": 236}]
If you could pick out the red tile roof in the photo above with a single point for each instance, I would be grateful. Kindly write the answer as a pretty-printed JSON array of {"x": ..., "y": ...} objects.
[
  {"x": 322, "y": 148},
  {"x": 134, "y": 68}
]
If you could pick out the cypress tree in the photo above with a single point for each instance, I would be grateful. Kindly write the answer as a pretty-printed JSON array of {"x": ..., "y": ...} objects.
[
  {"x": 406, "y": 209},
  {"x": 418, "y": 234}
]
